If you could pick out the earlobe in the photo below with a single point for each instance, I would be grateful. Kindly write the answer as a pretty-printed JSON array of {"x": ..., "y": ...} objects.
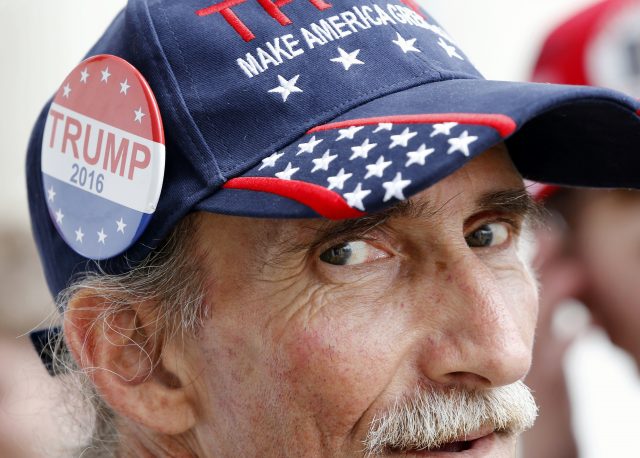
[{"x": 123, "y": 352}]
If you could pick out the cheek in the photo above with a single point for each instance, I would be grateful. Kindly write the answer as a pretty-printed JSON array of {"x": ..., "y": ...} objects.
[
  {"x": 520, "y": 294},
  {"x": 341, "y": 360}
]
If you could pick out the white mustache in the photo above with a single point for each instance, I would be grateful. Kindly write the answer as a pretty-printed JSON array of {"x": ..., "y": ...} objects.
[{"x": 433, "y": 418}]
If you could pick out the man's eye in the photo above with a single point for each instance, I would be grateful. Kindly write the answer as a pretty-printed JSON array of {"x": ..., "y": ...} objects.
[
  {"x": 493, "y": 234},
  {"x": 352, "y": 253}
]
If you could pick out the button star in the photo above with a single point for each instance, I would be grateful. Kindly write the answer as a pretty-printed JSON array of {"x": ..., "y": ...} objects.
[
  {"x": 322, "y": 163},
  {"x": 59, "y": 216},
  {"x": 84, "y": 74},
  {"x": 451, "y": 50},
  {"x": 362, "y": 150},
  {"x": 395, "y": 188},
  {"x": 67, "y": 90},
  {"x": 443, "y": 128},
  {"x": 286, "y": 87},
  {"x": 355, "y": 198},
  {"x": 347, "y": 59},
  {"x": 309, "y": 146},
  {"x": 402, "y": 139},
  {"x": 124, "y": 87},
  {"x": 461, "y": 143},
  {"x": 419, "y": 156},
  {"x": 102, "y": 236},
  {"x": 121, "y": 225},
  {"x": 338, "y": 180},
  {"x": 377, "y": 169},
  {"x": 271, "y": 160},
  {"x": 383, "y": 126},
  {"x": 51, "y": 194},
  {"x": 105, "y": 75},
  {"x": 139, "y": 114},
  {"x": 349, "y": 132},
  {"x": 79, "y": 235},
  {"x": 288, "y": 172},
  {"x": 406, "y": 45}
]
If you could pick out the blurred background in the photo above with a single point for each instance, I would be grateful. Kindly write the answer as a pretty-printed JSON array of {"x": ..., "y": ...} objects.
[{"x": 41, "y": 41}]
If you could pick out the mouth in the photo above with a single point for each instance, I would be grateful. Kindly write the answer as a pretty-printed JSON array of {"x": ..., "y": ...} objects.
[{"x": 477, "y": 444}]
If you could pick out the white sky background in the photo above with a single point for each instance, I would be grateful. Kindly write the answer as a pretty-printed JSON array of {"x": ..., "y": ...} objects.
[{"x": 42, "y": 40}]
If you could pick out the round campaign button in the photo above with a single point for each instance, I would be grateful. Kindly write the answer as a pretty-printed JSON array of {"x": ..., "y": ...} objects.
[{"x": 103, "y": 157}]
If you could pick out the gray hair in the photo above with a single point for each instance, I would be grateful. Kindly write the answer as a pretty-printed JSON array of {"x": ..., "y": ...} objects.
[
  {"x": 433, "y": 417},
  {"x": 169, "y": 277}
]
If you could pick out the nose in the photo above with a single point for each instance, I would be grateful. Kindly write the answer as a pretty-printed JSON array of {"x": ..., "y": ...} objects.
[{"x": 481, "y": 332}]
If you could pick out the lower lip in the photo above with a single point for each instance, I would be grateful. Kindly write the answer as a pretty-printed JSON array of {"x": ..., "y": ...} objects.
[{"x": 481, "y": 447}]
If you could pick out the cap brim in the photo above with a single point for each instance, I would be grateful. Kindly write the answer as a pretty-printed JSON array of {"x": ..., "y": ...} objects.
[{"x": 395, "y": 146}]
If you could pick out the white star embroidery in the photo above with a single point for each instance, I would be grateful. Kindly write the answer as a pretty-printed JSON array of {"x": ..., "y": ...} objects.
[
  {"x": 419, "y": 156},
  {"x": 349, "y": 132},
  {"x": 322, "y": 163},
  {"x": 451, "y": 50},
  {"x": 102, "y": 236},
  {"x": 271, "y": 160},
  {"x": 402, "y": 139},
  {"x": 338, "y": 180},
  {"x": 288, "y": 172},
  {"x": 443, "y": 128},
  {"x": 394, "y": 188},
  {"x": 59, "y": 216},
  {"x": 121, "y": 225},
  {"x": 79, "y": 235},
  {"x": 354, "y": 198},
  {"x": 377, "y": 169},
  {"x": 461, "y": 143},
  {"x": 406, "y": 45},
  {"x": 66, "y": 90},
  {"x": 286, "y": 87},
  {"x": 51, "y": 194},
  {"x": 124, "y": 87},
  {"x": 309, "y": 146},
  {"x": 84, "y": 74},
  {"x": 105, "y": 75},
  {"x": 139, "y": 114},
  {"x": 362, "y": 150},
  {"x": 347, "y": 59},
  {"x": 383, "y": 126}
]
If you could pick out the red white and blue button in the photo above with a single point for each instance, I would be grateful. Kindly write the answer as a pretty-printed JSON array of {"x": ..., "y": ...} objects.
[{"x": 103, "y": 157}]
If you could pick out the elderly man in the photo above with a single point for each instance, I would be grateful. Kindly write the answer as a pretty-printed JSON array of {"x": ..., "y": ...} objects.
[{"x": 337, "y": 262}]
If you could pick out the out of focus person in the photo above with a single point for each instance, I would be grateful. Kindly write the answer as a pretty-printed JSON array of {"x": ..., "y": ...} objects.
[
  {"x": 592, "y": 250},
  {"x": 33, "y": 420}
]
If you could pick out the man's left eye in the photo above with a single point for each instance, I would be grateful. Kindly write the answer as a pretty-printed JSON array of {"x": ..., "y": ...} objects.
[
  {"x": 492, "y": 234},
  {"x": 352, "y": 253}
]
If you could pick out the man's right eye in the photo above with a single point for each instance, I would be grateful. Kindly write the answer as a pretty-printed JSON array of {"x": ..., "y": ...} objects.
[{"x": 352, "y": 253}]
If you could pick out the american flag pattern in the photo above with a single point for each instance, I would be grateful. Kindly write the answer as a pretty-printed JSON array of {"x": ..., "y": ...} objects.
[{"x": 365, "y": 167}]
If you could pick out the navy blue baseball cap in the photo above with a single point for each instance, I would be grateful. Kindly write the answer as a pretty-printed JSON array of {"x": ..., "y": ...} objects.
[{"x": 320, "y": 108}]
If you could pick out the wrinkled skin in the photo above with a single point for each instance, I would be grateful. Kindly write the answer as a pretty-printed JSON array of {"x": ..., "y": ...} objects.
[
  {"x": 301, "y": 354},
  {"x": 305, "y": 343}
]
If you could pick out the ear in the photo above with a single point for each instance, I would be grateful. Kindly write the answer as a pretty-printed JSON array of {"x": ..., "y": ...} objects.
[{"x": 123, "y": 353}]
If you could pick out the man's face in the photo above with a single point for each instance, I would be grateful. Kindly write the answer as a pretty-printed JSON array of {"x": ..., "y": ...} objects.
[
  {"x": 319, "y": 328},
  {"x": 607, "y": 238}
]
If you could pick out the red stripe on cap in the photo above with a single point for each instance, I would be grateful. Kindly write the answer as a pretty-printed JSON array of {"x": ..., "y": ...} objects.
[
  {"x": 324, "y": 202},
  {"x": 502, "y": 123},
  {"x": 411, "y": 4}
]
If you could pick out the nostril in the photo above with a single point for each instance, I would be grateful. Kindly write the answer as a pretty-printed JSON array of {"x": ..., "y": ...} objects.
[{"x": 468, "y": 379}]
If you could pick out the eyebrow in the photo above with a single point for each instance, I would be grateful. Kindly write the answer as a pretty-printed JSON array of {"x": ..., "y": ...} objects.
[{"x": 516, "y": 202}]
